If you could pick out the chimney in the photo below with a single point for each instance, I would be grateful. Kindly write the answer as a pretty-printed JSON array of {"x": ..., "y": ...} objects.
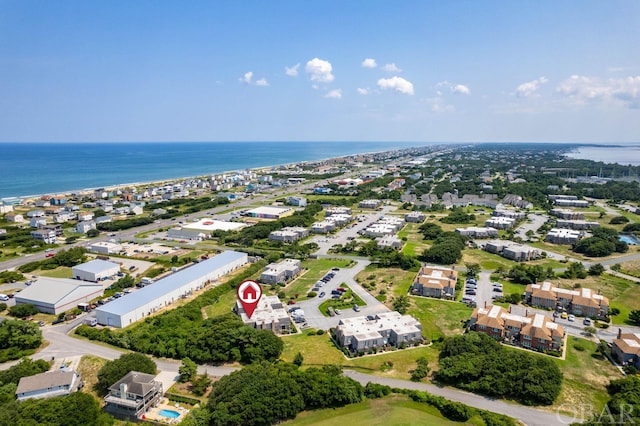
[
  {"x": 619, "y": 333},
  {"x": 485, "y": 304},
  {"x": 123, "y": 390},
  {"x": 509, "y": 308}
]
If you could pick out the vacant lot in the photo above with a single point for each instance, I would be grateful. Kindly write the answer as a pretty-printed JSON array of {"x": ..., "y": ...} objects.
[
  {"x": 391, "y": 410},
  {"x": 586, "y": 376}
]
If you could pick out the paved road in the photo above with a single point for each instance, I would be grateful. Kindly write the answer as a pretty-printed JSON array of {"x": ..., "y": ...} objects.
[{"x": 529, "y": 416}]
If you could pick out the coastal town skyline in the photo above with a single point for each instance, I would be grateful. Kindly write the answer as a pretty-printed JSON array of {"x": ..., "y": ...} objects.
[{"x": 418, "y": 71}]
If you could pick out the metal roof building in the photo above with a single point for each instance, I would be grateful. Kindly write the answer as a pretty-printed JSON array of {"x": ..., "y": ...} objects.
[
  {"x": 56, "y": 295},
  {"x": 94, "y": 270},
  {"x": 142, "y": 303}
]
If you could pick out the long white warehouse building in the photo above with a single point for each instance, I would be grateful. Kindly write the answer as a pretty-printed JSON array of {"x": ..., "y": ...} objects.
[{"x": 142, "y": 303}]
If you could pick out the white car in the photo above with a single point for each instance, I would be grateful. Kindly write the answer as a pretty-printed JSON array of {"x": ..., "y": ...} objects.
[{"x": 571, "y": 317}]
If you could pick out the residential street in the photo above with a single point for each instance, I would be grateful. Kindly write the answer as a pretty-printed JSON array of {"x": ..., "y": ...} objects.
[{"x": 529, "y": 416}]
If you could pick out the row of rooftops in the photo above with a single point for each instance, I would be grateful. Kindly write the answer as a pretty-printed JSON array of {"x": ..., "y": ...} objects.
[{"x": 536, "y": 325}]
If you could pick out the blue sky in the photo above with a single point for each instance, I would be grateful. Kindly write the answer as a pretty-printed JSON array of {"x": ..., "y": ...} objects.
[{"x": 334, "y": 70}]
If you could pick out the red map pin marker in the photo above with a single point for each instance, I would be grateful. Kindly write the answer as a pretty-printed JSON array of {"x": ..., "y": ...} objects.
[{"x": 249, "y": 293}]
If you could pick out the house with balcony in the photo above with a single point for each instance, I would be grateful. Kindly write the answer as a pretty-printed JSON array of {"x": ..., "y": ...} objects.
[
  {"x": 364, "y": 333},
  {"x": 582, "y": 301},
  {"x": 133, "y": 395},
  {"x": 535, "y": 331}
]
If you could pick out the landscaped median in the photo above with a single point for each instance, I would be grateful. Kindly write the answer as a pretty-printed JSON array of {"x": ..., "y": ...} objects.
[{"x": 346, "y": 301}]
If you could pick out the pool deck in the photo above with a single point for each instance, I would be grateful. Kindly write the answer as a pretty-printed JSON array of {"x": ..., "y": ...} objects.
[{"x": 154, "y": 413}]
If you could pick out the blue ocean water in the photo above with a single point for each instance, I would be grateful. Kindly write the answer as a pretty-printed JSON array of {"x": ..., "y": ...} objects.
[
  {"x": 623, "y": 154},
  {"x": 47, "y": 168}
]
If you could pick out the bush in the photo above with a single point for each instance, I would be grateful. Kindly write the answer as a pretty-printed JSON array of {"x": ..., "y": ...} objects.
[
  {"x": 3, "y": 306},
  {"x": 312, "y": 294},
  {"x": 374, "y": 390},
  {"x": 23, "y": 311}
]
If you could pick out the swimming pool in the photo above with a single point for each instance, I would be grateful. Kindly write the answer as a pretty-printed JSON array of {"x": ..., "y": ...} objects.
[
  {"x": 630, "y": 239},
  {"x": 169, "y": 413}
]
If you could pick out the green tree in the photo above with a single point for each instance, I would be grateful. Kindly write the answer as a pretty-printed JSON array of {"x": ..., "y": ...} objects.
[
  {"x": 421, "y": 371},
  {"x": 23, "y": 311},
  {"x": 634, "y": 317},
  {"x": 200, "y": 385},
  {"x": 92, "y": 233},
  {"x": 298, "y": 359},
  {"x": 187, "y": 370},
  {"x": 401, "y": 304},
  {"x": 114, "y": 370},
  {"x": 174, "y": 259},
  {"x": 596, "y": 269},
  {"x": 473, "y": 269}
]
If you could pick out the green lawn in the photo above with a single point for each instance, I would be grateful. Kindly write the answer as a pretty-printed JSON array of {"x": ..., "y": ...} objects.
[
  {"x": 348, "y": 299},
  {"x": 59, "y": 272},
  {"x": 391, "y": 410},
  {"x": 320, "y": 350},
  {"x": 439, "y": 318},
  {"x": 585, "y": 376}
]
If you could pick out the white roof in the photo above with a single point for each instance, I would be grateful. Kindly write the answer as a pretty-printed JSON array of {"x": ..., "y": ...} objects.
[
  {"x": 214, "y": 225},
  {"x": 96, "y": 266},
  {"x": 57, "y": 291},
  {"x": 269, "y": 210}
]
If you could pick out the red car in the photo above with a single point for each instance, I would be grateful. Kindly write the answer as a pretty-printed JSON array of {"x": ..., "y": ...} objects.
[{"x": 50, "y": 254}]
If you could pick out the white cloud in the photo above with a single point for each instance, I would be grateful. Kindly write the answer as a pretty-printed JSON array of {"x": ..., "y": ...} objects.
[
  {"x": 319, "y": 70},
  {"x": 396, "y": 83},
  {"x": 334, "y": 94},
  {"x": 246, "y": 78},
  {"x": 369, "y": 63},
  {"x": 458, "y": 89},
  {"x": 529, "y": 89},
  {"x": 363, "y": 91},
  {"x": 584, "y": 89},
  {"x": 461, "y": 89},
  {"x": 293, "y": 71},
  {"x": 391, "y": 68}
]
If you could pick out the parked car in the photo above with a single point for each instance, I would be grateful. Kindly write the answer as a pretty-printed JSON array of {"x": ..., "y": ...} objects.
[
  {"x": 356, "y": 308},
  {"x": 57, "y": 321},
  {"x": 564, "y": 315},
  {"x": 587, "y": 321},
  {"x": 571, "y": 317},
  {"x": 322, "y": 294},
  {"x": 338, "y": 311}
]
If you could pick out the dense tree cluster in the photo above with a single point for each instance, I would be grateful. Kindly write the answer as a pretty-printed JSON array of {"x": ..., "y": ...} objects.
[
  {"x": 23, "y": 311},
  {"x": 77, "y": 409},
  {"x": 26, "y": 367},
  {"x": 603, "y": 242},
  {"x": 18, "y": 338},
  {"x": 115, "y": 370},
  {"x": 264, "y": 393},
  {"x": 529, "y": 274},
  {"x": 9, "y": 276},
  {"x": 121, "y": 225},
  {"x": 430, "y": 230},
  {"x": 623, "y": 406},
  {"x": 446, "y": 249},
  {"x": 68, "y": 258},
  {"x": 458, "y": 215},
  {"x": 477, "y": 363}
]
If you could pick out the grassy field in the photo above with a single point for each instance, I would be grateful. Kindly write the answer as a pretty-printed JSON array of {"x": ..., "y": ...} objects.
[
  {"x": 631, "y": 268},
  {"x": 59, "y": 272},
  {"x": 439, "y": 318},
  {"x": 586, "y": 376},
  {"x": 414, "y": 244},
  {"x": 320, "y": 350},
  {"x": 393, "y": 280},
  {"x": 391, "y": 410}
]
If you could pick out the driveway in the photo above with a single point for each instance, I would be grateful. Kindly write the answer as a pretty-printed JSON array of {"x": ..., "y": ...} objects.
[{"x": 314, "y": 317}]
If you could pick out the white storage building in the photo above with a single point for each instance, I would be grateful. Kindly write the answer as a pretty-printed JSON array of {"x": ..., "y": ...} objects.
[
  {"x": 95, "y": 270},
  {"x": 57, "y": 295},
  {"x": 142, "y": 303}
]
